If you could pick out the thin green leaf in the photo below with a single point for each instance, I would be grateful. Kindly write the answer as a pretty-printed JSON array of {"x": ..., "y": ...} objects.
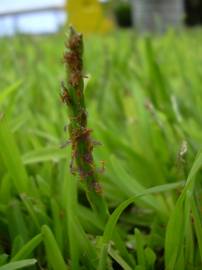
[
  {"x": 18, "y": 265},
  {"x": 28, "y": 248},
  {"x": 54, "y": 255},
  {"x": 11, "y": 157},
  {"x": 9, "y": 90},
  {"x": 110, "y": 226},
  {"x": 54, "y": 154}
]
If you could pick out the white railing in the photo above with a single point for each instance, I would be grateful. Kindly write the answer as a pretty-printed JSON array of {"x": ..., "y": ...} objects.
[{"x": 31, "y": 10}]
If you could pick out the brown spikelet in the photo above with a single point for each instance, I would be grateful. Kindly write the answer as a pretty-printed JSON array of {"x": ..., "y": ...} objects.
[{"x": 82, "y": 162}]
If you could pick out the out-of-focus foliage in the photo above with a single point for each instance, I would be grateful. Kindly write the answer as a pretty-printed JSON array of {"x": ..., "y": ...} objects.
[
  {"x": 193, "y": 10},
  {"x": 123, "y": 13}
]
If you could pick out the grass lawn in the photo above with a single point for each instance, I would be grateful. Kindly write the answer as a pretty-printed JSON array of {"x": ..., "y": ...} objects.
[{"x": 144, "y": 101}]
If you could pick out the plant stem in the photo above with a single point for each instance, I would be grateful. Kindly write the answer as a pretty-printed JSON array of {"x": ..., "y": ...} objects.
[{"x": 82, "y": 162}]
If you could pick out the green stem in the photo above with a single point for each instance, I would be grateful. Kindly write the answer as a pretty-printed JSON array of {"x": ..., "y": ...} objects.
[{"x": 82, "y": 162}]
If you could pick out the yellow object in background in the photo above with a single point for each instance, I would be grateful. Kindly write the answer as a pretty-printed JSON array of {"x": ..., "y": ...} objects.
[{"x": 87, "y": 16}]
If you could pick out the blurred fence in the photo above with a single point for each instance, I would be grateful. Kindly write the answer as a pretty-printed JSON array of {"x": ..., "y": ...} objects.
[
  {"x": 31, "y": 18},
  {"x": 157, "y": 15},
  {"x": 14, "y": 12}
]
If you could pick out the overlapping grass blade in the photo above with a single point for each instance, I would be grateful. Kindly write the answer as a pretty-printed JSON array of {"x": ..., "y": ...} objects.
[
  {"x": 11, "y": 157},
  {"x": 18, "y": 265},
  {"x": 176, "y": 232},
  {"x": 28, "y": 248},
  {"x": 55, "y": 259},
  {"x": 9, "y": 90},
  {"x": 54, "y": 154},
  {"x": 109, "y": 228}
]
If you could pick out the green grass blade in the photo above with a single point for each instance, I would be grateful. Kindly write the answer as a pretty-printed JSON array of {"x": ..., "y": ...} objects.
[
  {"x": 54, "y": 154},
  {"x": 115, "y": 255},
  {"x": 18, "y": 265},
  {"x": 140, "y": 248},
  {"x": 11, "y": 157},
  {"x": 150, "y": 258},
  {"x": 80, "y": 246},
  {"x": 197, "y": 225},
  {"x": 3, "y": 258},
  {"x": 9, "y": 90},
  {"x": 54, "y": 255},
  {"x": 28, "y": 248},
  {"x": 176, "y": 232},
  {"x": 118, "y": 211},
  {"x": 57, "y": 221},
  {"x": 16, "y": 221},
  {"x": 110, "y": 226}
]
